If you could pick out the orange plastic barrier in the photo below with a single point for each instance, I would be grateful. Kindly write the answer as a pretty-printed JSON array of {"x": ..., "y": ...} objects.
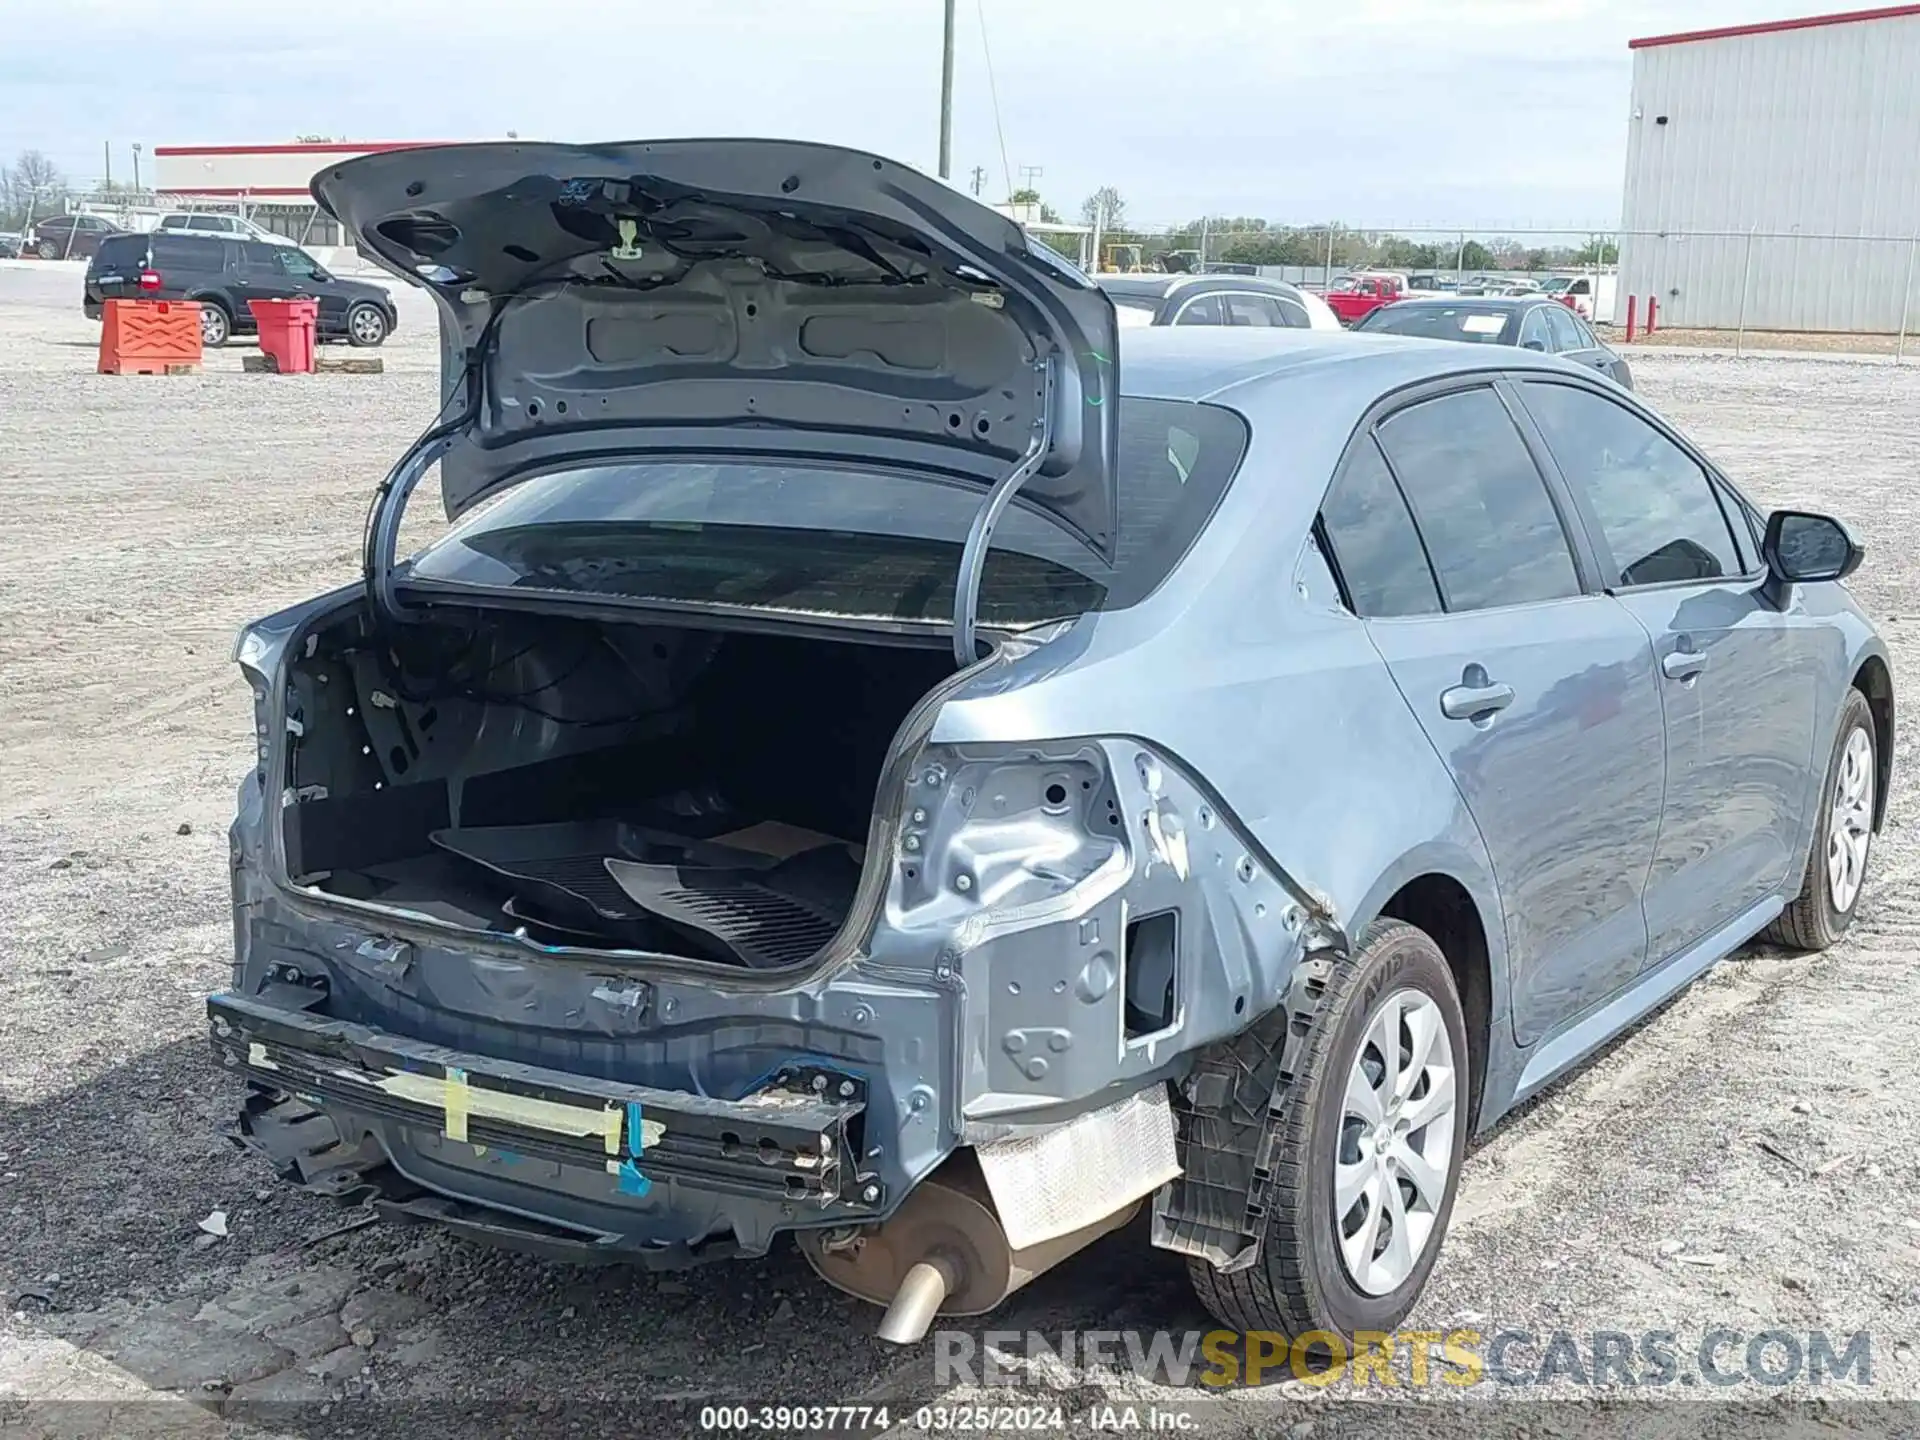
[
  {"x": 287, "y": 332},
  {"x": 150, "y": 337}
]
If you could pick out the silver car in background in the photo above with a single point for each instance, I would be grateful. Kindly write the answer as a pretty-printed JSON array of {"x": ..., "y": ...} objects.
[{"x": 902, "y": 764}]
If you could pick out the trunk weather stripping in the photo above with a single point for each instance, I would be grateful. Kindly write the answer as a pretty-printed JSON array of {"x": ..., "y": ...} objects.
[{"x": 973, "y": 557}]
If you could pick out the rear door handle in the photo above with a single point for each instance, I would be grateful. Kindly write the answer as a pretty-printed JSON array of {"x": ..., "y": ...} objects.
[
  {"x": 1472, "y": 702},
  {"x": 1682, "y": 664}
]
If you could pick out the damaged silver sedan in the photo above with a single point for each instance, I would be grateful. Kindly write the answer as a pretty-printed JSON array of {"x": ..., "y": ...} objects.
[{"x": 876, "y": 760}]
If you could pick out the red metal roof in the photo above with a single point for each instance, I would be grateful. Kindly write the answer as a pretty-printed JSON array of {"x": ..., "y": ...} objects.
[
  {"x": 1770, "y": 27},
  {"x": 330, "y": 147}
]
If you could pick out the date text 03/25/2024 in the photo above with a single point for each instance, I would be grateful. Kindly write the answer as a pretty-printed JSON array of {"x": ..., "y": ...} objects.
[{"x": 941, "y": 1419}]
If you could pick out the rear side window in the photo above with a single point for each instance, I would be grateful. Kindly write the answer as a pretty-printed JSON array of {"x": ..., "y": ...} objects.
[
  {"x": 1566, "y": 334},
  {"x": 1659, "y": 514},
  {"x": 186, "y": 252},
  {"x": 1293, "y": 314},
  {"x": 1376, "y": 550},
  {"x": 1261, "y": 310},
  {"x": 1203, "y": 310},
  {"x": 1479, "y": 501},
  {"x": 843, "y": 540}
]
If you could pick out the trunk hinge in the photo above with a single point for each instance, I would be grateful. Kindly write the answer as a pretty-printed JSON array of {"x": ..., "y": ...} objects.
[
  {"x": 382, "y": 537},
  {"x": 383, "y": 520},
  {"x": 973, "y": 558}
]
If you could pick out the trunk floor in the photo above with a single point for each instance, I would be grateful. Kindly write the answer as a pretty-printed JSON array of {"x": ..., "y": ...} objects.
[{"x": 763, "y": 912}]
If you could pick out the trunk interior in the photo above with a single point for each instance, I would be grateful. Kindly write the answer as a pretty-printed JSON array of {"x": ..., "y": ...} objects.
[{"x": 697, "y": 792}]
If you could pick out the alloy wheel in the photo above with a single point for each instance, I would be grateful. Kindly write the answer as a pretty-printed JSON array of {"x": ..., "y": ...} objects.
[
  {"x": 365, "y": 326},
  {"x": 1850, "y": 831},
  {"x": 1394, "y": 1147}
]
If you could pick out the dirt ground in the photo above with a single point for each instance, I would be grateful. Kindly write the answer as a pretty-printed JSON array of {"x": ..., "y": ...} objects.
[
  {"x": 1745, "y": 1160},
  {"x": 1812, "y": 343}
]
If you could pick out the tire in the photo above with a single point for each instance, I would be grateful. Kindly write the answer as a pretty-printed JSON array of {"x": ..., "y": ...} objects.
[
  {"x": 366, "y": 326},
  {"x": 1301, "y": 1282},
  {"x": 1817, "y": 918},
  {"x": 48, "y": 250},
  {"x": 216, "y": 324}
]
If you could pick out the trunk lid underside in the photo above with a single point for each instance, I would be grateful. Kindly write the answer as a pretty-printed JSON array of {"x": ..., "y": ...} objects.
[{"x": 743, "y": 297}]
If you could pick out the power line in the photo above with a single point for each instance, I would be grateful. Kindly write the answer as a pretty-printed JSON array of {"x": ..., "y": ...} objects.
[{"x": 993, "y": 92}]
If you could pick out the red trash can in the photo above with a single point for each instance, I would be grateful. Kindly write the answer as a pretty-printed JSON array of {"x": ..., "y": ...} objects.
[{"x": 287, "y": 332}]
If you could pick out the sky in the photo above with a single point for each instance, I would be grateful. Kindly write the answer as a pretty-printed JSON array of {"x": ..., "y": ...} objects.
[{"x": 1489, "y": 114}]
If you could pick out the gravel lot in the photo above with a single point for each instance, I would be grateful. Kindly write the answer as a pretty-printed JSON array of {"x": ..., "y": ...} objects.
[{"x": 1744, "y": 1160}]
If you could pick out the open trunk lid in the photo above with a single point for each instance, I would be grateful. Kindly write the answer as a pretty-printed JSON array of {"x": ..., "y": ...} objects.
[{"x": 743, "y": 297}]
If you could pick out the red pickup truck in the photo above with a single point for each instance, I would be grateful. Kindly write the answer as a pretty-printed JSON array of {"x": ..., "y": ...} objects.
[{"x": 1352, "y": 296}]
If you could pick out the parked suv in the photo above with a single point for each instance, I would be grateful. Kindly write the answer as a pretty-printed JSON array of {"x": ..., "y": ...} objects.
[
  {"x": 190, "y": 222},
  {"x": 70, "y": 237},
  {"x": 223, "y": 275}
]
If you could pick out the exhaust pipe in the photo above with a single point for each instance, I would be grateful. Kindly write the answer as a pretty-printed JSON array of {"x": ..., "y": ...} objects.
[
  {"x": 916, "y": 1302},
  {"x": 943, "y": 1252}
]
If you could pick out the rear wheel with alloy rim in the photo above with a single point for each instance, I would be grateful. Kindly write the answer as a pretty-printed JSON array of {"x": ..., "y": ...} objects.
[
  {"x": 1369, "y": 1151},
  {"x": 1842, "y": 838},
  {"x": 366, "y": 325},
  {"x": 216, "y": 326}
]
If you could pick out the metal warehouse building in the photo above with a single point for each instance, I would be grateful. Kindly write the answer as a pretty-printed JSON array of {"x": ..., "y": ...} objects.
[{"x": 1773, "y": 175}]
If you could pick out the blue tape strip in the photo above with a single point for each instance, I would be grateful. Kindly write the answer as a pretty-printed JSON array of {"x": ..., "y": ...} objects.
[
  {"x": 636, "y": 1132},
  {"x": 631, "y": 1181}
]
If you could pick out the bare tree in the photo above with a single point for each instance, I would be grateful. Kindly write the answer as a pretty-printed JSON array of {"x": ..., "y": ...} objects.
[
  {"x": 1104, "y": 210},
  {"x": 33, "y": 184}
]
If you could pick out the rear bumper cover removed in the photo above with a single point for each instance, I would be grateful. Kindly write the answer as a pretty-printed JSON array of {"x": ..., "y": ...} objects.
[{"x": 616, "y": 1171}]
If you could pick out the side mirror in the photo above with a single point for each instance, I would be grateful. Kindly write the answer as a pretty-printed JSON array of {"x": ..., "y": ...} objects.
[
  {"x": 1539, "y": 345},
  {"x": 1804, "y": 548}
]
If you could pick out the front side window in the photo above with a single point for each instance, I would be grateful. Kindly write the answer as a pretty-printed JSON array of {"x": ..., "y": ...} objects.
[
  {"x": 1375, "y": 548},
  {"x": 293, "y": 262},
  {"x": 1658, "y": 513},
  {"x": 1480, "y": 502}
]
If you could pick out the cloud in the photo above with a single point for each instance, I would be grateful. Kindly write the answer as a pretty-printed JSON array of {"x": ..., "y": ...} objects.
[{"x": 1476, "y": 111}]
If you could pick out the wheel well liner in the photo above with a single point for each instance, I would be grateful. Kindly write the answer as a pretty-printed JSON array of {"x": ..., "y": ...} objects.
[
  {"x": 1441, "y": 906},
  {"x": 1875, "y": 681}
]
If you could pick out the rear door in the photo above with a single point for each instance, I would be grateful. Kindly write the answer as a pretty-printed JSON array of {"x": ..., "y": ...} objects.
[
  {"x": 1536, "y": 690},
  {"x": 1737, "y": 677}
]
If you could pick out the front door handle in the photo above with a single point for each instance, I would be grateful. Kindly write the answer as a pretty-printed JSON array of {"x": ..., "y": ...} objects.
[
  {"x": 1475, "y": 701},
  {"x": 1682, "y": 664}
]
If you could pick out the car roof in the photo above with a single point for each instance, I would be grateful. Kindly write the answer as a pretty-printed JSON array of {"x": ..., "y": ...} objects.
[
  {"x": 1205, "y": 362},
  {"x": 1478, "y": 302},
  {"x": 1167, "y": 284}
]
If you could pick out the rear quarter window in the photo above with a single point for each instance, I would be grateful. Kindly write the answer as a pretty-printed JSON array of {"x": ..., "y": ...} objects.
[{"x": 123, "y": 250}]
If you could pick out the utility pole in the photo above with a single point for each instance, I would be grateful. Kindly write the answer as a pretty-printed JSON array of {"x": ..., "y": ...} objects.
[
  {"x": 979, "y": 178},
  {"x": 106, "y": 149},
  {"x": 946, "y": 96},
  {"x": 1028, "y": 175},
  {"x": 136, "y": 165}
]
